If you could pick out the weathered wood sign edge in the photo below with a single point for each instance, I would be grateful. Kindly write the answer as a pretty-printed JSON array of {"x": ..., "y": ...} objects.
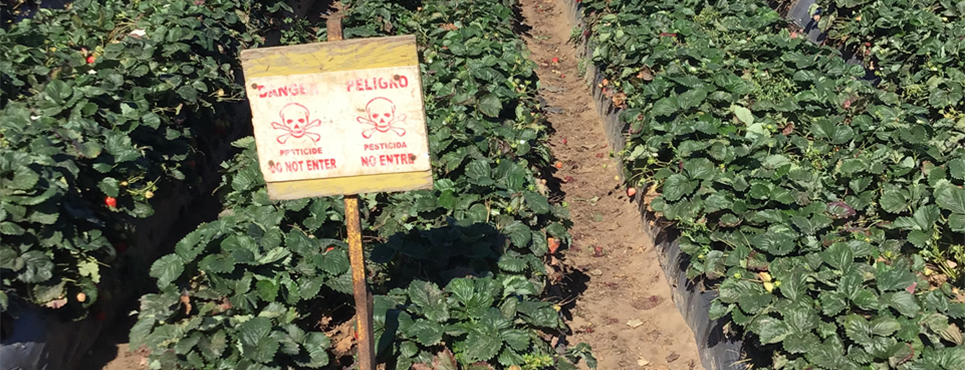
[{"x": 340, "y": 56}]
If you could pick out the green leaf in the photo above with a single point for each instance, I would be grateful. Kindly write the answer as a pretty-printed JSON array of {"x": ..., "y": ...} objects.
[
  {"x": 110, "y": 186},
  {"x": 317, "y": 345},
  {"x": 866, "y": 299},
  {"x": 956, "y": 222},
  {"x": 894, "y": 201},
  {"x": 479, "y": 172},
  {"x": 90, "y": 268},
  {"x": 801, "y": 343},
  {"x": 481, "y": 347},
  {"x": 772, "y": 330},
  {"x": 893, "y": 278},
  {"x": 426, "y": 332},
  {"x": 828, "y": 355},
  {"x": 700, "y": 168},
  {"x": 515, "y": 338},
  {"x": 794, "y": 286},
  {"x": 46, "y": 293},
  {"x": 858, "y": 329},
  {"x": 677, "y": 186},
  {"x": 38, "y": 267},
  {"x": 10, "y": 228},
  {"x": 811, "y": 226},
  {"x": 956, "y": 168},
  {"x": 427, "y": 296},
  {"x": 950, "y": 197},
  {"x": 800, "y": 319},
  {"x": 884, "y": 326},
  {"x": 832, "y": 303},
  {"x": 23, "y": 178},
  {"x": 188, "y": 93},
  {"x": 692, "y": 98},
  {"x": 490, "y": 105},
  {"x": 167, "y": 269},
  {"x": 903, "y": 302},
  {"x": 255, "y": 340},
  {"x": 536, "y": 202},
  {"x": 267, "y": 290},
  {"x": 839, "y": 256},
  {"x": 744, "y": 115},
  {"x": 665, "y": 106}
]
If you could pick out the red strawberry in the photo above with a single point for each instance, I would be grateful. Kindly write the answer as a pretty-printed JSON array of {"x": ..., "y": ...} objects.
[
  {"x": 110, "y": 202},
  {"x": 554, "y": 244},
  {"x": 91, "y": 59},
  {"x": 556, "y": 60}
]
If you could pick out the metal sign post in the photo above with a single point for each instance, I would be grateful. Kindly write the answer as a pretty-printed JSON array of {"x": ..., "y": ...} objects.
[{"x": 340, "y": 118}]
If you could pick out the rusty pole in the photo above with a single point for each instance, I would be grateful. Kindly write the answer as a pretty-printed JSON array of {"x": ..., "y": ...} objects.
[{"x": 363, "y": 298}]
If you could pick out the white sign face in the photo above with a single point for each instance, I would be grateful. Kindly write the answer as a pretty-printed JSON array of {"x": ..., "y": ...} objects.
[{"x": 339, "y": 124}]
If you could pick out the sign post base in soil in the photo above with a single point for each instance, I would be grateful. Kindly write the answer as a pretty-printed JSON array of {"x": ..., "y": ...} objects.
[
  {"x": 363, "y": 298},
  {"x": 341, "y": 118},
  {"x": 356, "y": 255}
]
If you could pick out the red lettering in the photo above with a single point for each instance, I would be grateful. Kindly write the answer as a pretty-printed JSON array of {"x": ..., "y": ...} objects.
[
  {"x": 383, "y": 84},
  {"x": 301, "y": 89},
  {"x": 367, "y": 87},
  {"x": 403, "y": 81},
  {"x": 348, "y": 85},
  {"x": 368, "y": 161},
  {"x": 261, "y": 94},
  {"x": 393, "y": 84}
]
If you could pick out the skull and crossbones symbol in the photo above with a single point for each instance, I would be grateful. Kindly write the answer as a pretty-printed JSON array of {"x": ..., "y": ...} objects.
[
  {"x": 295, "y": 121},
  {"x": 380, "y": 113}
]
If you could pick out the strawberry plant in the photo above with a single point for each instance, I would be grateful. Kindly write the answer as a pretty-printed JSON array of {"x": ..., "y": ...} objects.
[
  {"x": 481, "y": 232},
  {"x": 915, "y": 47},
  {"x": 479, "y": 318},
  {"x": 806, "y": 194},
  {"x": 102, "y": 104}
]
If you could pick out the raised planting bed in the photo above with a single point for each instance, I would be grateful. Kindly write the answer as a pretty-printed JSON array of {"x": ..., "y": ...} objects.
[
  {"x": 459, "y": 272},
  {"x": 114, "y": 126},
  {"x": 916, "y": 48},
  {"x": 814, "y": 202}
]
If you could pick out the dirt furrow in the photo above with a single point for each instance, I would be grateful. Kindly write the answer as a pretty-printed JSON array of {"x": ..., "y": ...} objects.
[{"x": 625, "y": 311}]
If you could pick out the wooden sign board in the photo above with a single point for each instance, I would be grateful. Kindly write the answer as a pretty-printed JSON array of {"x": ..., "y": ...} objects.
[{"x": 344, "y": 117}]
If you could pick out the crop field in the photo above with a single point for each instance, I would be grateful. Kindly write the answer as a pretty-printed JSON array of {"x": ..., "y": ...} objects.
[{"x": 814, "y": 189}]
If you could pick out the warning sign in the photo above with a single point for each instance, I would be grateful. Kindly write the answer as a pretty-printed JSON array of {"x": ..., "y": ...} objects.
[{"x": 339, "y": 110}]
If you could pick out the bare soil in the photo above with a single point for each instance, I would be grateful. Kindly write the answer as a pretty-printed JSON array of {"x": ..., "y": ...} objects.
[{"x": 625, "y": 312}]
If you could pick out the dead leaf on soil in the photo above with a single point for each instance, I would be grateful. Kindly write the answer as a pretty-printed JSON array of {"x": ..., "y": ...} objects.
[
  {"x": 788, "y": 129},
  {"x": 57, "y": 303},
  {"x": 619, "y": 98},
  {"x": 646, "y": 303}
]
